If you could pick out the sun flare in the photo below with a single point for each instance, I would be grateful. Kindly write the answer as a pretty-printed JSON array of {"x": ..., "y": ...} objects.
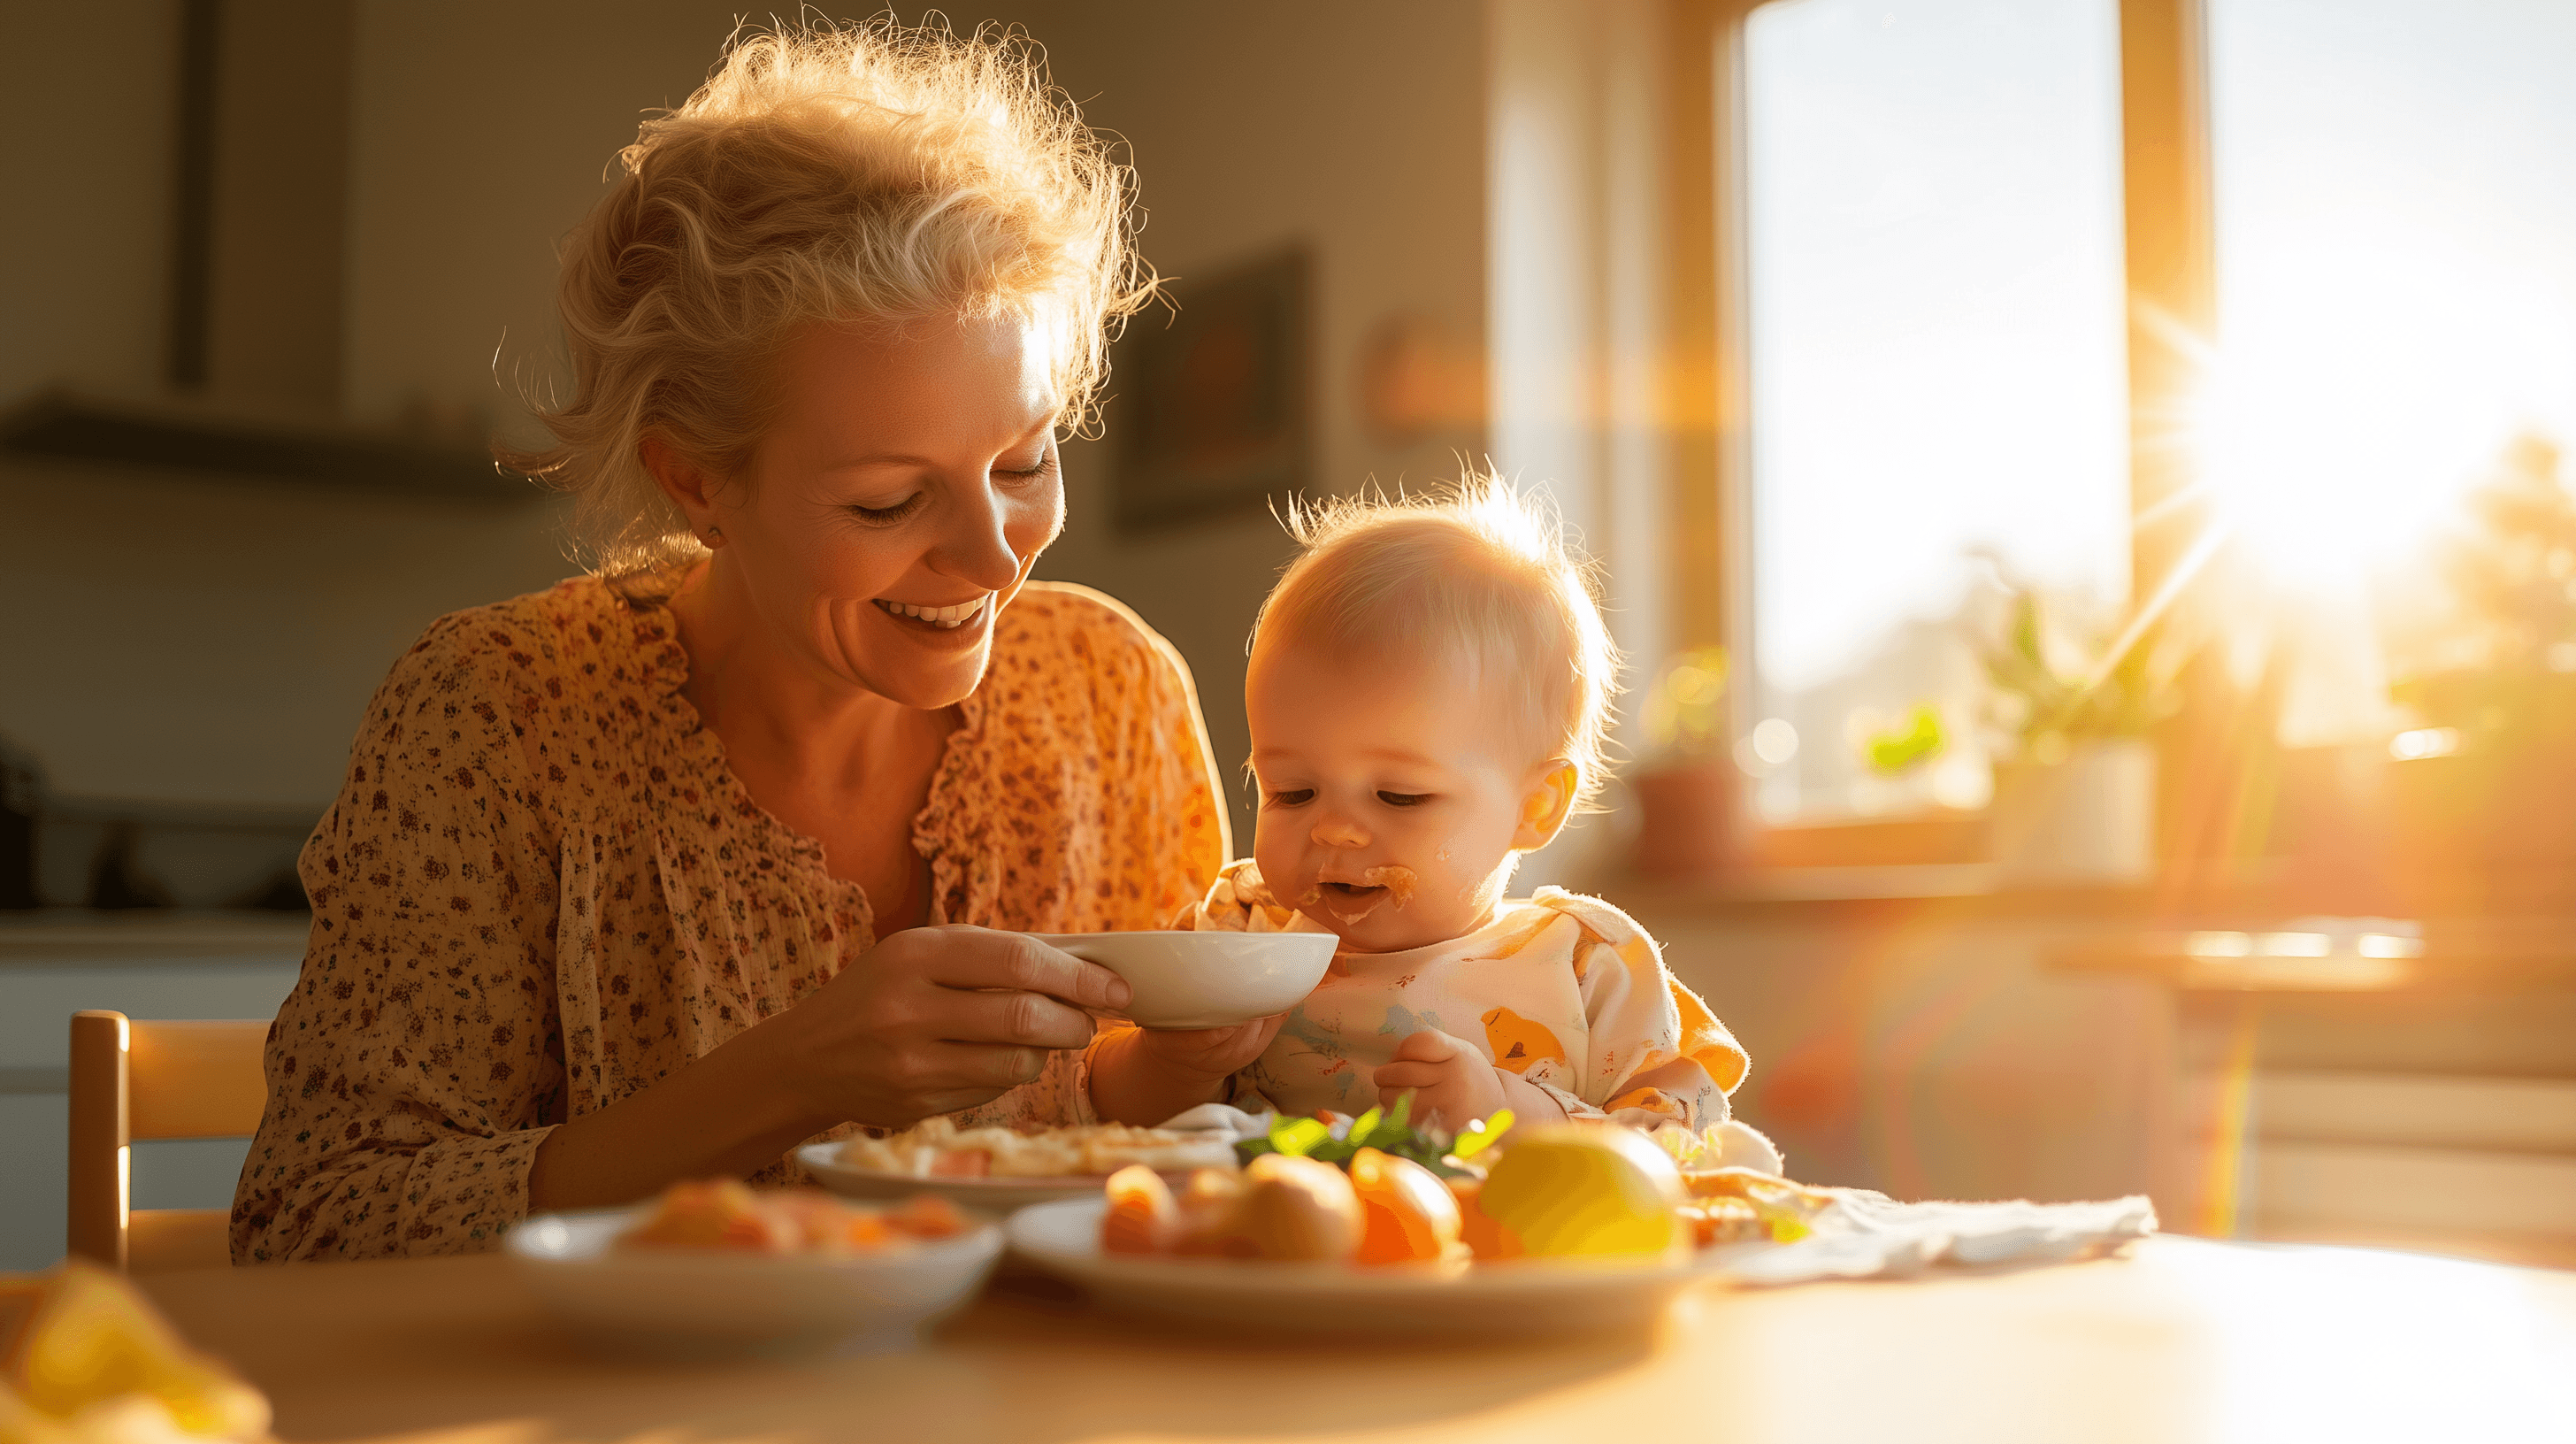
[{"x": 2353, "y": 395}]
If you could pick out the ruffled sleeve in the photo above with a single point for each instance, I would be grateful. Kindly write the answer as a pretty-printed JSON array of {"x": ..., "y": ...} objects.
[{"x": 413, "y": 1070}]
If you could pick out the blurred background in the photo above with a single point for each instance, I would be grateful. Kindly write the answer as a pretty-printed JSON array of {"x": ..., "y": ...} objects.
[{"x": 2079, "y": 483}]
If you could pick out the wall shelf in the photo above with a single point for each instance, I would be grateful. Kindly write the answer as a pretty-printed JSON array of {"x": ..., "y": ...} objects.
[{"x": 63, "y": 425}]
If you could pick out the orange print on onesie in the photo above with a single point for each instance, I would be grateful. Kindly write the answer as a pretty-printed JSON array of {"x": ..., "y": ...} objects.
[{"x": 1517, "y": 1042}]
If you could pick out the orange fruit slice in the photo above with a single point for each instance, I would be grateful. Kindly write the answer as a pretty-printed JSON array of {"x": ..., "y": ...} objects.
[
  {"x": 1406, "y": 1212},
  {"x": 1141, "y": 1212},
  {"x": 1484, "y": 1238}
]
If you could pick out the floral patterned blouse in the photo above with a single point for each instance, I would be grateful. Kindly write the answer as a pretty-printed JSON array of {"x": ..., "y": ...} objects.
[{"x": 542, "y": 889}]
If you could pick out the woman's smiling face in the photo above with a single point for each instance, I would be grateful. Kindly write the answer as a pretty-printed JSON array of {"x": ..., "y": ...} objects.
[
  {"x": 1393, "y": 793},
  {"x": 897, "y": 501}
]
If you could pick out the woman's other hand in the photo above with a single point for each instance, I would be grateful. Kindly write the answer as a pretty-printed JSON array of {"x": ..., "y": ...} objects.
[
  {"x": 928, "y": 1021},
  {"x": 1145, "y": 1075},
  {"x": 932, "y": 1020}
]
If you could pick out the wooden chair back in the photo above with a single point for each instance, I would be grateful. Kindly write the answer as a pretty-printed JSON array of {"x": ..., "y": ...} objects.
[{"x": 135, "y": 1081}]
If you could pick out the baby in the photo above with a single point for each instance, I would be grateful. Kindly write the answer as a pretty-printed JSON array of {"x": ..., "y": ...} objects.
[{"x": 1429, "y": 697}]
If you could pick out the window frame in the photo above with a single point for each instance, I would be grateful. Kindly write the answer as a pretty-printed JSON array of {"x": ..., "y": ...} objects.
[{"x": 2171, "y": 270}]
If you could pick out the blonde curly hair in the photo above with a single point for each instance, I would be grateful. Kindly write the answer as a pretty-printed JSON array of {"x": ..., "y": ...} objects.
[
  {"x": 1475, "y": 571},
  {"x": 875, "y": 173}
]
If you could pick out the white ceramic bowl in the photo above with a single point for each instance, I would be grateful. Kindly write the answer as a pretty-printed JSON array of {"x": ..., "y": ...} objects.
[
  {"x": 680, "y": 1303},
  {"x": 1206, "y": 980}
]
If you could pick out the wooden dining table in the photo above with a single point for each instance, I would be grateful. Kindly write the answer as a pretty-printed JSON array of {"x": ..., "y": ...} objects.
[{"x": 2179, "y": 1339}]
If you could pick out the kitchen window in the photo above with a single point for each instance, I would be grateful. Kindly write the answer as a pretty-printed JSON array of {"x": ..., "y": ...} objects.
[
  {"x": 2182, "y": 326},
  {"x": 1938, "y": 392}
]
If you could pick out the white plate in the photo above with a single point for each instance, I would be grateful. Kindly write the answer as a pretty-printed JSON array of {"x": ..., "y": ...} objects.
[
  {"x": 684, "y": 1303},
  {"x": 1523, "y": 1296},
  {"x": 993, "y": 1195}
]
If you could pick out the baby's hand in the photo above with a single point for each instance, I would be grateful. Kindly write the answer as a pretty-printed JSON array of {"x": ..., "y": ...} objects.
[
  {"x": 1145, "y": 1075},
  {"x": 1207, "y": 1053},
  {"x": 1445, "y": 1075}
]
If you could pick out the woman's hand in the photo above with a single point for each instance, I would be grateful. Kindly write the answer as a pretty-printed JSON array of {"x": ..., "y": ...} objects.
[
  {"x": 1145, "y": 1075},
  {"x": 928, "y": 1021},
  {"x": 932, "y": 1020}
]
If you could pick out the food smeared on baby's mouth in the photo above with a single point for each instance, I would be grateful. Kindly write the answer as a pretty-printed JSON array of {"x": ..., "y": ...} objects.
[
  {"x": 1365, "y": 898},
  {"x": 1376, "y": 886},
  {"x": 1398, "y": 882}
]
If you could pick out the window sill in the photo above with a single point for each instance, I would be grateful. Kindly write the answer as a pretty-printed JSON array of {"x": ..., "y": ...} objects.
[{"x": 2247, "y": 894}]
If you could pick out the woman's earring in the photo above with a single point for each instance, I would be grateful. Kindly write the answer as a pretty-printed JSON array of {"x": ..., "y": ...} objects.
[{"x": 714, "y": 537}]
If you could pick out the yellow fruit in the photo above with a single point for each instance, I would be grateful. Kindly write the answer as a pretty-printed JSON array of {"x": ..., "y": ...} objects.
[
  {"x": 89, "y": 1338},
  {"x": 205, "y": 1400},
  {"x": 1585, "y": 1190},
  {"x": 1294, "y": 1209},
  {"x": 1407, "y": 1214},
  {"x": 20, "y": 1424}
]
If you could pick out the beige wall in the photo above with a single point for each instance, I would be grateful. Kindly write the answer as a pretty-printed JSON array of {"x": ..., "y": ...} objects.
[
  {"x": 84, "y": 127},
  {"x": 482, "y": 132},
  {"x": 1357, "y": 130},
  {"x": 170, "y": 636}
]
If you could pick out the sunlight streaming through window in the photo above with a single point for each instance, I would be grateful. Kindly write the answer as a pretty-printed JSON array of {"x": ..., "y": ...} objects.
[
  {"x": 1938, "y": 374},
  {"x": 2396, "y": 247}
]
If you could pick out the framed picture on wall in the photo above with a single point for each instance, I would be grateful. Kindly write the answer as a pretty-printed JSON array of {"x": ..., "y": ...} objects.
[{"x": 1209, "y": 402}]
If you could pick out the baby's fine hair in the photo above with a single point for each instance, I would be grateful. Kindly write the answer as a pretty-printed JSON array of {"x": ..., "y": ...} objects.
[{"x": 1476, "y": 570}]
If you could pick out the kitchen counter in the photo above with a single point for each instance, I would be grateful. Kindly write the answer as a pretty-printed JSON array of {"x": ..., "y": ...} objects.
[{"x": 59, "y": 936}]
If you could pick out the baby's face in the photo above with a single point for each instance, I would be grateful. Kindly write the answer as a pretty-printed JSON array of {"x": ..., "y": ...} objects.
[{"x": 1392, "y": 795}]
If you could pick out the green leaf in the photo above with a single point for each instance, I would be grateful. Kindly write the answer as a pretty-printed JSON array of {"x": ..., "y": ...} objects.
[
  {"x": 1401, "y": 1115},
  {"x": 1363, "y": 1125},
  {"x": 1785, "y": 1226},
  {"x": 1480, "y": 1135},
  {"x": 1891, "y": 753},
  {"x": 1297, "y": 1137}
]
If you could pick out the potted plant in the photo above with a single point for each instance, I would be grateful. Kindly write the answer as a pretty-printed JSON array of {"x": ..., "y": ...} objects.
[
  {"x": 2075, "y": 796},
  {"x": 1686, "y": 791}
]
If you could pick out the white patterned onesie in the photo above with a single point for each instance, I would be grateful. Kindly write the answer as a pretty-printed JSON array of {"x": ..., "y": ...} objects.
[{"x": 1564, "y": 990}]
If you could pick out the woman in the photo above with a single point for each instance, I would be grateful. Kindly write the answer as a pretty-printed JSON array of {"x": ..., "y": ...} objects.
[{"x": 661, "y": 872}]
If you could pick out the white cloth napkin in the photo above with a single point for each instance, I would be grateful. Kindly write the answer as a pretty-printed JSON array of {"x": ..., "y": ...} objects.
[
  {"x": 1863, "y": 1234},
  {"x": 1219, "y": 1118}
]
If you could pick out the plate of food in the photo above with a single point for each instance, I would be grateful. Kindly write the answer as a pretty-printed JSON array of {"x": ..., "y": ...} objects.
[
  {"x": 1002, "y": 1168},
  {"x": 1572, "y": 1226},
  {"x": 715, "y": 1268}
]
